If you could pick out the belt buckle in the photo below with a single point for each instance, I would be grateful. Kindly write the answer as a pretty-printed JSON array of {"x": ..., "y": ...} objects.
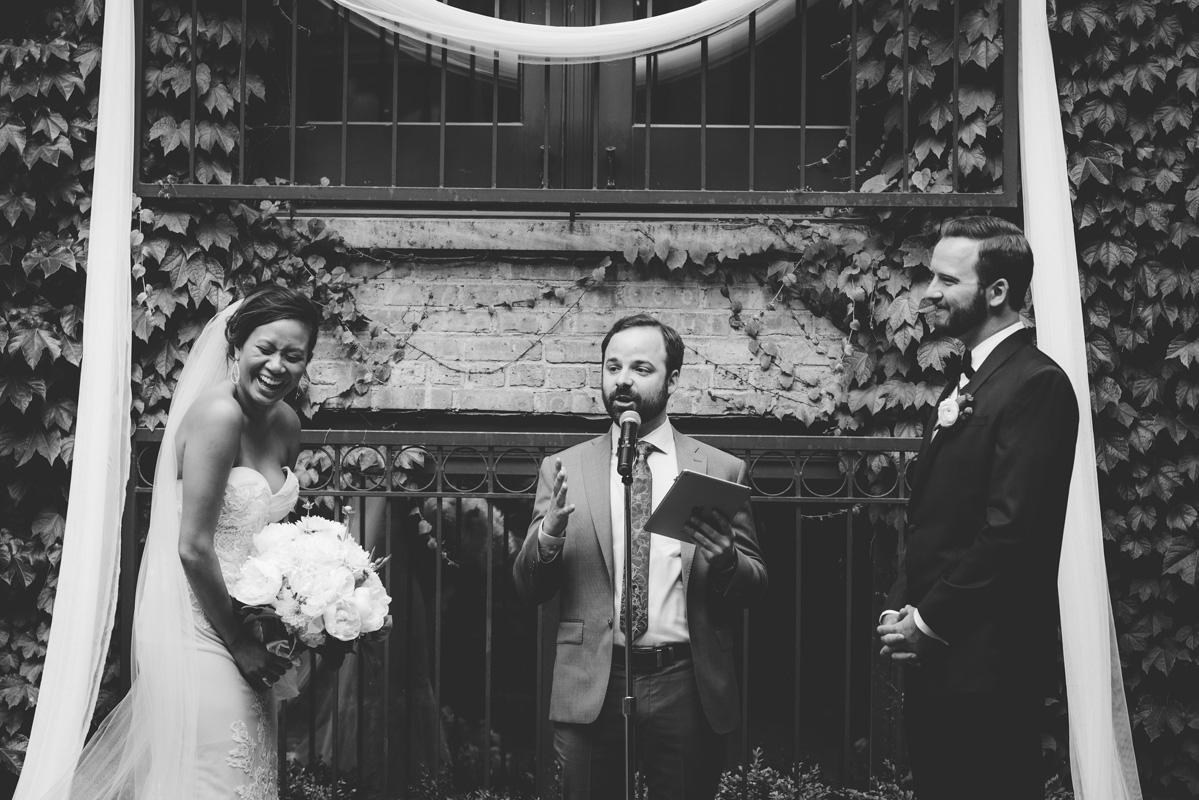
[{"x": 663, "y": 655}]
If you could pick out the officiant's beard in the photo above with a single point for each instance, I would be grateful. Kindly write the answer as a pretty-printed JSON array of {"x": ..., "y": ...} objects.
[{"x": 648, "y": 406}]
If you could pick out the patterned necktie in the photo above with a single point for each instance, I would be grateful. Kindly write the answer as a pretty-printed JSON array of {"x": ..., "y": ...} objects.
[{"x": 639, "y": 511}]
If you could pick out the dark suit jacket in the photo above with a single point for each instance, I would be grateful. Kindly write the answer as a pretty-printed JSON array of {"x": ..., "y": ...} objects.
[
  {"x": 581, "y": 577},
  {"x": 985, "y": 526}
]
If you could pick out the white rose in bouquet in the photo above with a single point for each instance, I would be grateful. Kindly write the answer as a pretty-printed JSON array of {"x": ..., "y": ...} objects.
[
  {"x": 342, "y": 621},
  {"x": 371, "y": 600},
  {"x": 259, "y": 582},
  {"x": 273, "y": 535},
  {"x": 355, "y": 558}
]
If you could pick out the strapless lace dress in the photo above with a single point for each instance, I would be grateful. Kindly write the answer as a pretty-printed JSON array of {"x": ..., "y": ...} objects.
[{"x": 238, "y": 727}]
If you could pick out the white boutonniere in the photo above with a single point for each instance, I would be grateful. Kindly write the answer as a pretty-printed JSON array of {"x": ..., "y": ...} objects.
[{"x": 953, "y": 410}]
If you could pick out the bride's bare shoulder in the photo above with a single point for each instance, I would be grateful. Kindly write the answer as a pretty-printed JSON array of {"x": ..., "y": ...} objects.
[{"x": 215, "y": 412}]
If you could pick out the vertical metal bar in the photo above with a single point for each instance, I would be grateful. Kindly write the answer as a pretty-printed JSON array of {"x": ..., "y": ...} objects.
[
  {"x": 344, "y": 22},
  {"x": 596, "y": 145},
  {"x": 651, "y": 74},
  {"x": 905, "y": 181},
  {"x": 441, "y": 128},
  {"x": 797, "y": 727},
  {"x": 853, "y": 96},
  {"x": 745, "y": 638},
  {"x": 847, "y": 732},
  {"x": 488, "y": 695},
  {"x": 127, "y": 589},
  {"x": 241, "y": 114},
  {"x": 312, "y": 703},
  {"x": 753, "y": 93},
  {"x": 139, "y": 26},
  {"x": 439, "y": 588},
  {"x": 295, "y": 79},
  {"x": 395, "y": 111},
  {"x": 195, "y": 54},
  {"x": 1011, "y": 105},
  {"x": 360, "y": 661},
  {"x": 545, "y": 125},
  {"x": 703, "y": 113},
  {"x": 334, "y": 721},
  {"x": 495, "y": 108},
  {"x": 803, "y": 93},
  {"x": 385, "y": 648},
  {"x": 955, "y": 99}
]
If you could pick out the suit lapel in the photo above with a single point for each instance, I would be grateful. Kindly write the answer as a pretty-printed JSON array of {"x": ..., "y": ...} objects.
[
  {"x": 998, "y": 357},
  {"x": 688, "y": 457},
  {"x": 597, "y": 467}
]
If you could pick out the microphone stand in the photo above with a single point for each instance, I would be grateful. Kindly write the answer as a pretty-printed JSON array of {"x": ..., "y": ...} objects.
[{"x": 629, "y": 706}]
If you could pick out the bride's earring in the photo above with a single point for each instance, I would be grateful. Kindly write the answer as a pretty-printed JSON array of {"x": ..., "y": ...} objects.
[{"x": 235, "y": 374}]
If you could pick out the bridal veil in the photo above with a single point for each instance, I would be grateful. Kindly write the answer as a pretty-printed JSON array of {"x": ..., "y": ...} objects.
[{"x": 146, "y": 748}]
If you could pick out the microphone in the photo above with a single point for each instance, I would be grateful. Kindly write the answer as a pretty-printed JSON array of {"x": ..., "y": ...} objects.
[{"x": 626, "y": 449}]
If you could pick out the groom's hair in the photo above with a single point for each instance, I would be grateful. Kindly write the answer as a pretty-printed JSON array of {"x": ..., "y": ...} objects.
[
  {"x": 269, "y": 303},
  {"x": 1003, "y": 252}
]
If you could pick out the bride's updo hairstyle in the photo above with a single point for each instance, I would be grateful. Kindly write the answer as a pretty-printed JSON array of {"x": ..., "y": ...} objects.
[{"x": 271, "y": 303}]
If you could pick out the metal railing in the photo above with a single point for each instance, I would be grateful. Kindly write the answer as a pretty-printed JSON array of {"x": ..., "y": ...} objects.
[
  {"x": 460, "y": 689},
  {"x": 354, "y": 115}
]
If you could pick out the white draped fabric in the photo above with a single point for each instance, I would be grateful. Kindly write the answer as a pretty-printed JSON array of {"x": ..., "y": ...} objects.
[
  {"x": 1101, "y": 757},
  {"x": 463, "y": 34},
  {"x": 1101, "y": 752},
  {"x": 87, "y": 580},
  {"x": 441, "y": 25}
]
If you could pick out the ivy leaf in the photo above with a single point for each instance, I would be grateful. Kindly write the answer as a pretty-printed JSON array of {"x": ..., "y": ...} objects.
[
  {"x": 16, "y": 692},
  {"x": 13, "y": 206},
  {"x": 48, "y": 526},
  {"x": 219, "y": 99},
  {"x": 1182, "y": 559},
  {"x": 171, "y": 133},
  {"x": 219, "y": 232},
  {"x": 32, "y": 343},
  {"x": 87, "y": 58},
  {"x": 12, "y": 134},
  {"x": 212, "y": 169},
  {"x": 1184, "y": 351},
  {"x": 1110, "y": 254},
  {"x": 1183, "y": 518},
  {"x": 20, "y": 391},
  {"x": 935, "y": 353}
]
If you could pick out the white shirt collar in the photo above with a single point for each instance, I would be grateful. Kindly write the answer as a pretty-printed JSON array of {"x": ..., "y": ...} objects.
[
  {"x": 987, "y": 346},
  {"x": 661, "y": 437}
]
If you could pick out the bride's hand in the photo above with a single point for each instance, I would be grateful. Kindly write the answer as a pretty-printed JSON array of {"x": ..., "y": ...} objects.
[{"x": 258, "y": 665}]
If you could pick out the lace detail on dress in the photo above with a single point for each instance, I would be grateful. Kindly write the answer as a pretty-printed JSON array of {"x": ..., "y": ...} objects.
[
  {"x": 245, "y": 510},
  {"x": 253, "y": 755}
]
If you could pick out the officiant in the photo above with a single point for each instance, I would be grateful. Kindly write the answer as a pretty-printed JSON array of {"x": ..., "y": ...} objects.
[{"x": 686, "y": 596}]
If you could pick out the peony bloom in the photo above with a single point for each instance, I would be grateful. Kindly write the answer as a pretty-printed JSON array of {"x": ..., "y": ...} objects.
[
  {"x": 273, "y": 535},
  {"x": 259, "y": 582},
  {"x": 342, "y": 621}
]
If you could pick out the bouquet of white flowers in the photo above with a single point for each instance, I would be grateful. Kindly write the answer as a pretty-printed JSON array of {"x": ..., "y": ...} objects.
[{"x": 316, "y": 580}]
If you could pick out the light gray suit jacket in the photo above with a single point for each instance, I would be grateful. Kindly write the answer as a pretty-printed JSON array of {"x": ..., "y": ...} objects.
[{"x": 581, "y": 578}]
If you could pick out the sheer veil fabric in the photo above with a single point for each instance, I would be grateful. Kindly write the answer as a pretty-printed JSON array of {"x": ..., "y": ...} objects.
[{"x": 146, "y": 748}]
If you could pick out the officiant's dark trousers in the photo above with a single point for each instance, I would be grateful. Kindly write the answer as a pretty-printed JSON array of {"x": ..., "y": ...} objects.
[
  {"x": 679, "y": 755},
  {"x": 974, "y": 746}
]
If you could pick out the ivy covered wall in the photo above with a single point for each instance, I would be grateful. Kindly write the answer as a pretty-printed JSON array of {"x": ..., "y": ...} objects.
[{"x": 1129, "y": 87}]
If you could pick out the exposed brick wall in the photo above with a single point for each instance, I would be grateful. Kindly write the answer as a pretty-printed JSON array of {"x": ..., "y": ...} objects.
[{"x": 491, "y": 336}]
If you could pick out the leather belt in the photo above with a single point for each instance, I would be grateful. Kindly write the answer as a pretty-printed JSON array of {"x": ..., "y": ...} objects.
[{"x": 650, "y": 659}]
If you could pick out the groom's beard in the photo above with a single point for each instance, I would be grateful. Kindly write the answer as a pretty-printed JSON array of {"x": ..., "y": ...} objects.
[{"x": 965, "y": 318}]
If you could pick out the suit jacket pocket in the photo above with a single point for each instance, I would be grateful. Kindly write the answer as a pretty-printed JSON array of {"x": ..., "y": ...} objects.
[
  {"x": 725, "y": 637},
  {"x": 974, "y": 420},
  {"x": 570, "y": 631}
]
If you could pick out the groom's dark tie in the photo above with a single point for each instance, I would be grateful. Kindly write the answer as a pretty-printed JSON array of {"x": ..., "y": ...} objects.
[
  {"x": 639, "y": 511},
  {"x": 961, "y": 366}
]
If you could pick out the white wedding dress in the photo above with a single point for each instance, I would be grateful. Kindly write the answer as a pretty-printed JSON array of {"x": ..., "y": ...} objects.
[{"x": 236, "y": 735}]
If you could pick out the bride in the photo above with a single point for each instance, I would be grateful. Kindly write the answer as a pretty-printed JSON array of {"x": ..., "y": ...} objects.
[{"x": 199, "y": 721}]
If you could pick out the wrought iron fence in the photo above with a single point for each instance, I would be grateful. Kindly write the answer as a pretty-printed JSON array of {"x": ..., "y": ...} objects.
[
  {"x": 457, "y": 697},
  {"x": 323, "y": 106}
]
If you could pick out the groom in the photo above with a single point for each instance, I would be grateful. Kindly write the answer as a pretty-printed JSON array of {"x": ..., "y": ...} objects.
[{"x": 973, "y": 613}]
